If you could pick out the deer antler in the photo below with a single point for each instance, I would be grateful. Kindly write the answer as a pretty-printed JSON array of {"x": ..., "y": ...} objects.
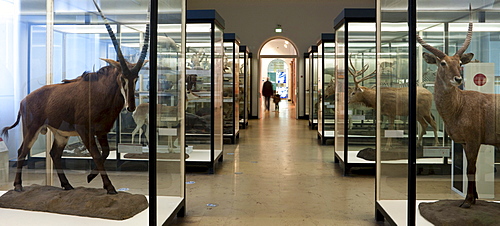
[
  {"x": 123, "y": 63},
  {"x": 355, "y": 73}
]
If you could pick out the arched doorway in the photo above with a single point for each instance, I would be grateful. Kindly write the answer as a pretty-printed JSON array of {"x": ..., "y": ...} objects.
[{"x": 278, "y": 62}]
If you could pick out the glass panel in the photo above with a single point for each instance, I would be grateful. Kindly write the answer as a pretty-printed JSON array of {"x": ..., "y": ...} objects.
[
  {"x": 244, "y": 86},
  {"x": 320, "y": 83},
  {"x": 218, "y": 84},
  {"x": 314, "y": 89},
  {"x": 231, "y": 89},
  {"x": 329, "y": 89},
  {"x": 340, "y": 105},
  {"x": 392, "y": 168}
]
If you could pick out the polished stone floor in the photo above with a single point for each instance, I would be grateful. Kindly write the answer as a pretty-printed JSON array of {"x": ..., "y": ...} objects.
[{"x": 279, "y": 174}]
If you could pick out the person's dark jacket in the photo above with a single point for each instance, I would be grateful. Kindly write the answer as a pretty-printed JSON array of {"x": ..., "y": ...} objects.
[{"x": 267, "y": 89}]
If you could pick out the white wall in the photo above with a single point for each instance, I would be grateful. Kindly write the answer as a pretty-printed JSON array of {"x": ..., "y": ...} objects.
[{"x": 302, "y": 21}]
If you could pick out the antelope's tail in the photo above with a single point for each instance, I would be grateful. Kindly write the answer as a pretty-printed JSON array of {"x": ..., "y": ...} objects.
[{"x": 5, "y": 130}]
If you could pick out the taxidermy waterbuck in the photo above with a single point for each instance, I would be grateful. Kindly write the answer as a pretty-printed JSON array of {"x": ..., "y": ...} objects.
[
  {"x": 391, "y": 100},
  {"x": 86, "y": 106},
  {"x": 470, "y": 117}
]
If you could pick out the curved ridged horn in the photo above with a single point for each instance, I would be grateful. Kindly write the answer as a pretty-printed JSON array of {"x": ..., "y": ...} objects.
[
  {"x": 431, "y": 49},
  {"x": 118, "y": 50},
  {"x": 469, "y": 35},
  {"x": 466, "y": 42}
]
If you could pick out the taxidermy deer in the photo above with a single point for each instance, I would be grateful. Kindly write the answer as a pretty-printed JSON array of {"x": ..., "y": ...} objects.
[
  {"x": 86, "y": 106},
  {"x": 141, "y": 116},
  {"x": 470, "y": 117},
  {"x": 393, "y": 101}
]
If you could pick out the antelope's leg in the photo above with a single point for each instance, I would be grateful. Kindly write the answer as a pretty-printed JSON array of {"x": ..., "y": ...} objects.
[
  {"x": 103, "y": 141},
  {"x": 423, "y": 128},
  {"x": 433, "y": 124},
  {"x": 29, "y": 137},
  {"x": 90, "y": 142},
  {"x": 471, "y": 152},
  {"x": 56, "y": 154}
]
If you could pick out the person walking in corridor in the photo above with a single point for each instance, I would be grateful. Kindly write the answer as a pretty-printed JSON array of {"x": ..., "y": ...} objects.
[{"x": 267, "y": 92}]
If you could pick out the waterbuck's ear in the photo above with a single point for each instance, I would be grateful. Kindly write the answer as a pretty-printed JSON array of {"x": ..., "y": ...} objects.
[
  {"x": 466, "y": 58},
  {"x": 113, "y": 63},
  {"x": 429, "y": 58}
]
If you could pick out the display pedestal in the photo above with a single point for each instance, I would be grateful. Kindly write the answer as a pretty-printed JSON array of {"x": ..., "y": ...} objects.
[{"x": 167, "y": 208}]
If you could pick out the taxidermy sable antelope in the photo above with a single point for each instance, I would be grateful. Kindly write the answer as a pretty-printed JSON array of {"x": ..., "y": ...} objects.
[
  {"x": 470, "y": 117},
  {"x": 86, "y": 106},
  {"x": 391, "y": 100}
]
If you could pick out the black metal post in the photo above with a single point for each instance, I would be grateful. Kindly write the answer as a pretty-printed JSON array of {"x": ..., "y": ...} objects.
[
  {"x": 412, "y": 102},
  {"x": 153, "y": 99}
]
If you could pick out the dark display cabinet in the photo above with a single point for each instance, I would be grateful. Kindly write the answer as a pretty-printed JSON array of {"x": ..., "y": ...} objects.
[
  {"x": 204, "y": 87},
  {"x": 231, "y": 93},
  {"x": 326, "y": 87},
  {"x": 245, "y": 85}
]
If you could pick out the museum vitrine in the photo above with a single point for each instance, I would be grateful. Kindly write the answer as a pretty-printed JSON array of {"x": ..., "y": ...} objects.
[
  {"x": 419, "y": 165},
  {"x": 60, "y": 42},
  {"x": 355, "y": 57},
  {"x": 232, "y": 92},
  {"x": 204, "y": 87},
  {"x": 245, "y": 78},
  {"x": 312, "y": 86},
  {"x": 326, "y": 87}
]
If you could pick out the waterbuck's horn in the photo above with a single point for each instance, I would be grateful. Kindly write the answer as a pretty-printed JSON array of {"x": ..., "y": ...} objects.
[
  {"x": 469, "y": 35},
  {"x": 431, "y": 49}
]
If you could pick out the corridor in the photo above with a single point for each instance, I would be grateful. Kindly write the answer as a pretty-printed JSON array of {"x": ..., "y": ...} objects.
[{"x": 279, "y": 174}]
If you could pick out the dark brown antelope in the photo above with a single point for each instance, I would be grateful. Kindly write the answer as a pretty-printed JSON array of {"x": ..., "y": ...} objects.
[
  {"x": 470, "y": 117},
  {"x": 393, "y": 101},
  {"x": 86, "y": 106}
]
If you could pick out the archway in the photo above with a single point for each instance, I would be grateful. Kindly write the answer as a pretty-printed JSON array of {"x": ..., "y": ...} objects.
[{"x": 278, "y": 62}]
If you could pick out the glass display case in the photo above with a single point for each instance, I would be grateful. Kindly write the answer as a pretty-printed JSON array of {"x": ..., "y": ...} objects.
[
  {"x": 245, "y": 78},
  {"x": 355, "y": 58},
  {"x": 57, "y": 45},
  {"x": 326, "y": 87},
  {"x": 204, "y": 87},
  {"x": 232, "y": 92},
  {"x": 312, "y": 87},
  {"x": 419, "y": 166}
]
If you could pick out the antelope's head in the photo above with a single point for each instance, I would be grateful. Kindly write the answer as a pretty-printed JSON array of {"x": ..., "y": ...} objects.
[
  {"x": 448, "y": 71},
  {"x": 129, "y": 73},
  {"x": 356, "y": 92}
]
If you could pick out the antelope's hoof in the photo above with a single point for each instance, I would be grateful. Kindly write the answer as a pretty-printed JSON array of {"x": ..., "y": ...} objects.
[
  {"x": 18, "y": 188},
  {"x": 111, "y": 190},
  {"x": 467, "y": 203},
  {"x": 91, "y": 176}
]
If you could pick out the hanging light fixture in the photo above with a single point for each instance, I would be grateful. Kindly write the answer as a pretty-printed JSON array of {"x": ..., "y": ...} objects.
[{"x": 278, "y": 29}]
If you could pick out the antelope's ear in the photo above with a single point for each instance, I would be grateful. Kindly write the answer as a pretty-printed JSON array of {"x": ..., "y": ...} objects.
[
  {"x": 145, "y": 62},
  {"x": 113, "y": 63},
  {"x": 466, "y": 58},
  {"x": 429, "y": 58}
]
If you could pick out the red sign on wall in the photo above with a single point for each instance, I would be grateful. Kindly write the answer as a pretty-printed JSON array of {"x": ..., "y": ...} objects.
[{"x": 479, "y": 79}]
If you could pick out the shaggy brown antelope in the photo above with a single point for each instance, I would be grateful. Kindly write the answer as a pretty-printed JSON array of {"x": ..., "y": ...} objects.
[
  {"x": 470, "y": 117},
  {"x": 86, "y": 106},
  {"x": 393, "y": 101}
]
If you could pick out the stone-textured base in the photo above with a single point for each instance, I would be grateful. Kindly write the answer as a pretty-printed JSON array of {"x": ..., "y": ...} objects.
[
  {"x": 449, "y": 212},
  {"x": 88, "y": 202}
]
